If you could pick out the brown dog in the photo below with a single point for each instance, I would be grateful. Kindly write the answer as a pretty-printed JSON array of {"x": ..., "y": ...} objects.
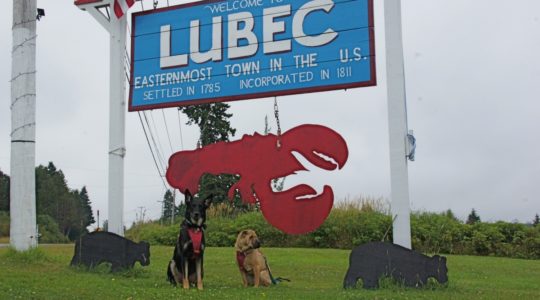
[{"x": 251, "y": 261}]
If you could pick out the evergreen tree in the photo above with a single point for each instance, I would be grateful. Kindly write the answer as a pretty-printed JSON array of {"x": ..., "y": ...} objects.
[
  {"x": 168, "y": 206},
  {"x": 214, "y": 125},
  {"x": 450, "y": 215},
  {"x": 52, "y": 195},
  {"x": 70, "y": 209},
  {"x": 180, "y": 211},
  {"x": 267, "y": 128},
  {"x": 536, "y": 220},
  {"x": 86, "y": 208},
  {"x": 212, "y": 120},
  {"x": 4, "y": 192},
  {"x": 473, "y": 218}
]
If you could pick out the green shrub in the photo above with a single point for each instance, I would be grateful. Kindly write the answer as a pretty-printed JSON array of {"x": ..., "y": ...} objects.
[
  {"x": 153, "y": 233},
  {"x": 47, "y": 226},
  {"x": 4, "y": 223},
  {"x": 31, "y": 256},
  {"x": 347, "y": 228},
  {"x": 350, "y": 226},
  {"x": 48, "y": 230},
  {"x": 436, "y": 233}
]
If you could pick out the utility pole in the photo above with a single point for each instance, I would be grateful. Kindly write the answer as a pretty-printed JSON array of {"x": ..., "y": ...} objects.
[
  {"x": 173, "y": 208},
  {"x": 397, "y": 124},
  {"x": 23, "y": 230},
  {"x": 102, "y": 11},
  {"x": 142, "y": 213}
]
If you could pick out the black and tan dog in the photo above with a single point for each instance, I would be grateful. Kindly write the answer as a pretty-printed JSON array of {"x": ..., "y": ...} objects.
[
  {"x": 251, "y": 262},
  {"x": 186, "y": 266}
]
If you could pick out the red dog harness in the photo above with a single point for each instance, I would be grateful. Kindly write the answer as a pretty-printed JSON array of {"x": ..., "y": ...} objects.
[
  {"x": 240, "y": 257},
  {"x": 196, "y": 234}
]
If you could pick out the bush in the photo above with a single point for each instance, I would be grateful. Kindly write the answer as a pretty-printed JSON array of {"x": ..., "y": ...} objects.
[
  {"x": 48, "y": 230},
  {"x": 47, "y": 226},
  {"x": 436, "y": 233},
  {"x": 348, "y": 226},
  {"x": 4, "y": 224},
  {"x": 153, "y": 233}
]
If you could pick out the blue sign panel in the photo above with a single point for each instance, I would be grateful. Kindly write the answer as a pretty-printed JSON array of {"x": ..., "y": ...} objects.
[{"x": 213, "y": 51}]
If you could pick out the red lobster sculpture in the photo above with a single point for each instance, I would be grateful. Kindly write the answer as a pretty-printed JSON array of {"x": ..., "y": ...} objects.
[{"x": 258, "y": 160}]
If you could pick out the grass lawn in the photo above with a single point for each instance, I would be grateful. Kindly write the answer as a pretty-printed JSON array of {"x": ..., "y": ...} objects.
[{"x": 314, "y": 274}]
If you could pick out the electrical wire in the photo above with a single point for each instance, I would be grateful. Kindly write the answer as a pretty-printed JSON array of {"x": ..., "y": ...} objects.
[
  {"x": 167, "y": 130},
  {"x": 160, "y": 152},
  {"x": 180, "y": 126},
  {"x": 151, "y": 151},
  {"x": 158, "y": 156}
]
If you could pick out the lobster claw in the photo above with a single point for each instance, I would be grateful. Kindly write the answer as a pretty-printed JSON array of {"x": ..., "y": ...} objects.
[
  {"x": 320, "y": 145},
  {"x": 298, "y": 216},
  {"x": 300, "y": 210}
]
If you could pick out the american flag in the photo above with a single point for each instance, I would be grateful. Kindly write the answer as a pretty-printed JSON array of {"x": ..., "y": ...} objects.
[{"x": 121, "y": 7}]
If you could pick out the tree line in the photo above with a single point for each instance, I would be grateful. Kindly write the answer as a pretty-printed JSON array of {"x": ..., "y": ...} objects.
[{"x": 62, "y": 213}]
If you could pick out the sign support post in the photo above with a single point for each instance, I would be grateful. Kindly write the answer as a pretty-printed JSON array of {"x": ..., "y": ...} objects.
[
  {"x": 23, "y": 127},
  {"x": 397, "y": 124},
  {"x": 117, "y": 107}
]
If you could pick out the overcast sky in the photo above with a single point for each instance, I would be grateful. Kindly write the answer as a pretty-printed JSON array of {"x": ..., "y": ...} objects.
[{"x": 473, "y": 97}]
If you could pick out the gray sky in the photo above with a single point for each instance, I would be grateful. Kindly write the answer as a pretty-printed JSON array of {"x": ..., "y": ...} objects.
[{"x": 473, "y": 90}]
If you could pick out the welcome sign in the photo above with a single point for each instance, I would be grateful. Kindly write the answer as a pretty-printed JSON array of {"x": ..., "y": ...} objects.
[{"x": 214, "y": 51}]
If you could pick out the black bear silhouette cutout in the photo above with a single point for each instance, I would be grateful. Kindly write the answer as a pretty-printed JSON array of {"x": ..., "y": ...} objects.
[
  {"x": 375, "y": 260},
  {"x": 98, "y": 247}
]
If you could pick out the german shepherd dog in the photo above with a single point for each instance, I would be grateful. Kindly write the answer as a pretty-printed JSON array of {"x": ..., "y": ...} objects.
[{"x": 186, "y": 266}]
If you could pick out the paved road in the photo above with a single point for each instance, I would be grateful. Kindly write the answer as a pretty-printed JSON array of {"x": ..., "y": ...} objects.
[{"x": 41, "y": 245}]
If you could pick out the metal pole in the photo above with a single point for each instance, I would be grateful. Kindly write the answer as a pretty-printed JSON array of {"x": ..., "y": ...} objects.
[
  {"x": 23, "y": 230},
  {"x": 117, "y": 115},
  {"x": 397, "y": 123}
]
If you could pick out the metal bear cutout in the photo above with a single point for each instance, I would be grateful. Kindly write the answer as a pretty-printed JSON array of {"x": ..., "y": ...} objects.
[
  {"x": 372, "y": 261},
  {"x": 97, "y": 247},
  {"x": 258, "y": 160}
]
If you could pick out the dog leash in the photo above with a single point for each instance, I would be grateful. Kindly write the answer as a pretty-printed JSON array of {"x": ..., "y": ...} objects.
[{"x": 274, "y": 280}]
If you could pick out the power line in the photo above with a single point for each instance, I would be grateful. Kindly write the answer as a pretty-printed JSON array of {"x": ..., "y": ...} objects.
[
  {"x": 180, "y": 127},
  {"x": 158, "y": 144},
  {"x": 167, "y": 129},
  {"x": 151, "y": 151}
]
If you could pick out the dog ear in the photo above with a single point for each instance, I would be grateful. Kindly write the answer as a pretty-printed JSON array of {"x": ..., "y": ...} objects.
[
  {"x": 208, "y": 201},
  {"x": 188, "y": 197}
]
